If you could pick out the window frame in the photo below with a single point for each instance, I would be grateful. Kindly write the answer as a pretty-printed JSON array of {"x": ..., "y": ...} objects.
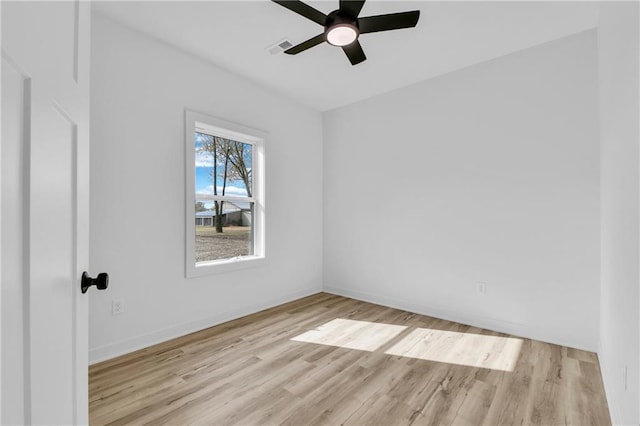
[{"x": 203, "y": 123}]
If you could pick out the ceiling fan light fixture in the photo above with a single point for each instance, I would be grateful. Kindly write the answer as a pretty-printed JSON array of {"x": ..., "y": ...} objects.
[{"x": 342, "y": 34}]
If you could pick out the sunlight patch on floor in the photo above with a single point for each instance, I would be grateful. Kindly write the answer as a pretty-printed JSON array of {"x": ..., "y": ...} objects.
[
  {"x": 473, "y": 350},
  {"x": 452, "y": 347},
  {"x": 351, "y": 334}
]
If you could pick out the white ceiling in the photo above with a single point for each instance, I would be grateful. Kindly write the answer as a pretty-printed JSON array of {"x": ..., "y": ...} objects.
[{"x": 234, "y": 35}]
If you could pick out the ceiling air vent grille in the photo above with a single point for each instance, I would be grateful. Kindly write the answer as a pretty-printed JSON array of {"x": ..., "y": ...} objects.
[{"x": 279, "y": 47}]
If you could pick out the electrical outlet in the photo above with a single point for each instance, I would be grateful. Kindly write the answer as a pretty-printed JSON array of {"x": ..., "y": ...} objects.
[
  {"x": 117, "y": 306},
  {"x": 482, "y": 288}
]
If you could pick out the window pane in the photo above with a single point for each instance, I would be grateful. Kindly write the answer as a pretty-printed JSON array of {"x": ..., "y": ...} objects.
[
  {"x": 223, "y": 230},
  {"x": 222, "y": 167}
]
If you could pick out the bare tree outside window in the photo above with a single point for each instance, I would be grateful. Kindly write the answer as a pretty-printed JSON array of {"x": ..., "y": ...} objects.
[{"x": 223, "y": 179}]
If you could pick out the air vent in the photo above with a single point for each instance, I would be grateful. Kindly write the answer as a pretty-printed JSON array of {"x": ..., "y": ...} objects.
[{"x": 279, "y": 47}]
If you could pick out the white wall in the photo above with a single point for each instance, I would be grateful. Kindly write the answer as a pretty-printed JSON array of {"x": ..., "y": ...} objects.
[
  {"x": 487, "y": 174},
  {"x": 12, "y": 228},
  {"x": 140, "y": 89},
  {"x": 619, "y": 121}
]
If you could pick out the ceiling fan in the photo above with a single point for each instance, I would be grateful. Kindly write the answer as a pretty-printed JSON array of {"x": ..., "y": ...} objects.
[{"x": 342, "y": 27}]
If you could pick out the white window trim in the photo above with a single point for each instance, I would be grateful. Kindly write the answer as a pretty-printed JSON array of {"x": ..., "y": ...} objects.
[{"x": 195, "y": 121}]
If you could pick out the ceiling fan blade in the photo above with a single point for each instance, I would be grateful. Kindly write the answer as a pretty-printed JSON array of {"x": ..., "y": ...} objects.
[
  {"x": 306, "y": 44},
  {"x": 304, "y": 10},
  {"x": 354, "y": 52},
  {"x": 391, "y": 21},
  {"x": 352, "y": 7}
]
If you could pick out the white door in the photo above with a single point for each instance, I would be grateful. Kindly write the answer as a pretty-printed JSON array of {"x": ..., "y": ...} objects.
[{"x": 45, "y": 206}]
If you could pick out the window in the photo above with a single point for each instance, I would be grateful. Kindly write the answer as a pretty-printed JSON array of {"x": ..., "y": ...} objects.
[{"x": 225, "y": 195}]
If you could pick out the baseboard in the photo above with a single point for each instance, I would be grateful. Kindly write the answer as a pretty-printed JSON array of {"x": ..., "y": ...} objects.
[
  {"x": 103, "y": 353},
  {"x": 529, "y": 331}
]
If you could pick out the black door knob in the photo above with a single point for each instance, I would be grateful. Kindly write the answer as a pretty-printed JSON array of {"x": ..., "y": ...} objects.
[{"x": 101, "y": 281}]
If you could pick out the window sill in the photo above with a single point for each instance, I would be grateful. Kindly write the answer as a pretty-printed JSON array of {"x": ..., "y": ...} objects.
[{"x": 222, "y": 266}]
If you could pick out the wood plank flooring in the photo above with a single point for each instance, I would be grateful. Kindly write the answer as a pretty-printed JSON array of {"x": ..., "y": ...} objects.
[{"x": 330, "y": 360}]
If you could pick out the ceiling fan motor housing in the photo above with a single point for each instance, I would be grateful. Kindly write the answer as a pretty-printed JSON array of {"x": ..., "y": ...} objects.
[{"x": 338, "y": 18}]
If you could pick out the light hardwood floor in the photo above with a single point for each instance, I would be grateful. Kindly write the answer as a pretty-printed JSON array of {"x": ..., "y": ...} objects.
[{"x": 331, "y": 360}]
